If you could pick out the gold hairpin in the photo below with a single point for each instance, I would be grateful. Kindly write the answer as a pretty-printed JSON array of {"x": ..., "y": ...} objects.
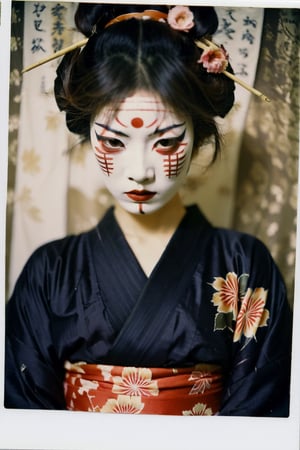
[
  {"x": 56, "y": 55},
  {"x": 205, "y": 45}
]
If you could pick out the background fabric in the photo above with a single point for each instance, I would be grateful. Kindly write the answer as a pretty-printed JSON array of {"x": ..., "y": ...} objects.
[
  {"x": 54, "y": 186},
  {"x": 266, "y": 195}
]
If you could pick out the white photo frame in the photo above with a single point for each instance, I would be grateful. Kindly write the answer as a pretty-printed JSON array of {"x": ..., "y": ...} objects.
[{"x": 51, "y": 430}]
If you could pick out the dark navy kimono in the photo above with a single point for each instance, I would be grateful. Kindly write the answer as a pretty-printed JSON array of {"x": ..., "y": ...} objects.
[{"x": 215, "y": 296}]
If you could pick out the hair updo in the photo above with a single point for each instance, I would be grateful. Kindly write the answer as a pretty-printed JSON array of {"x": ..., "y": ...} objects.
[{"x": 146, "y": 55}]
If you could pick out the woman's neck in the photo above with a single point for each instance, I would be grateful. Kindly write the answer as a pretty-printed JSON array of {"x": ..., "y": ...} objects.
[
  {"x": 149, "y": 234},
  {"x": 161, "y": 222}
]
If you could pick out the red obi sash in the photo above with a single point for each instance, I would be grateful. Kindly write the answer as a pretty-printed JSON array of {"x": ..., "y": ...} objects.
[{"x": 114, "y": 389}]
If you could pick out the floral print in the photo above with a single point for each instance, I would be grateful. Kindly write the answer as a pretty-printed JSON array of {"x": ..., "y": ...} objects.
[
  {"x": 135, "y": 381},
  {"x": 106, "y": 371},
  {"x": 77, "y": 367},
  {"x": 87, "y": 386},
  {"x": 124, "y": 404},
  {"x": 240, "y": 309},
  {"x": 200, "y": 409},
  {"x": 226, "y": 297},
  {"x": 252, "y": 314},
  {"x": 102, "y": 388},
  {"x": 201, "y": 382}
]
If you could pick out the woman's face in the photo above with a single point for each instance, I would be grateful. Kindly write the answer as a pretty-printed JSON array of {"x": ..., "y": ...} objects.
[{"x": 144, "y": 152}]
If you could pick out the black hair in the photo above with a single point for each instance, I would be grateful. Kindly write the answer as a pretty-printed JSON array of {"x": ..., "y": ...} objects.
[{"x": 137, "y": 54}]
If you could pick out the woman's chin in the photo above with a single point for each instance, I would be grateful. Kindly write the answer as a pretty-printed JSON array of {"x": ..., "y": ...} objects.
[
  {"x": 141, "y": 207},
  {"x": 150, "y": 207}
]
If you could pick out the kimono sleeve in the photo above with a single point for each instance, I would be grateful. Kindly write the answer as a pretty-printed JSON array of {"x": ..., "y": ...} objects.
[
  {"x": 33, "y": 374},
  {"x": 259, "y": 380}
]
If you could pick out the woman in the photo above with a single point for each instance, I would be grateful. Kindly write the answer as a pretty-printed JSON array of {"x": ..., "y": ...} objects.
[{"x": 154, "y": 310}]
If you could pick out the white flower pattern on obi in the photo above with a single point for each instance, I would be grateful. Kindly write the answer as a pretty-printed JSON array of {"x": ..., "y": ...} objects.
[
  {"x": 75, "y": 367},
  {"x": 105, "y": 371},
  {"x": 124, "y": 404},
  {"x": 87, "y": 386},
  {"x": 139, "y": 390},
  {"x": 201, "y": 382},
  {"x": 200, "y": 409},
  {"x": 135, "y": 382}
]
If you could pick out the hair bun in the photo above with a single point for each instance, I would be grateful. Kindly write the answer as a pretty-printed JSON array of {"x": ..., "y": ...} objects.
[
  {"x": 206, "y": 21},
  {"x": 89, "y": 14}
]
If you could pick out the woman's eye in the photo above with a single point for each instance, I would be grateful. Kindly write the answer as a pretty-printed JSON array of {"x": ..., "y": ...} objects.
[
  {"x": 110, "y": 144},
  {"x": 169, "y": 145},
  {"x": 113, "y": 143},
  {"x": 167, "y": 142}
]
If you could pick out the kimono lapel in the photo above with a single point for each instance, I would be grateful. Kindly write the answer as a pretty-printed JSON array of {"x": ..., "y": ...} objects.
[
  {"x": 120, "y": 277},
  {"x": 139, "y": 339}
]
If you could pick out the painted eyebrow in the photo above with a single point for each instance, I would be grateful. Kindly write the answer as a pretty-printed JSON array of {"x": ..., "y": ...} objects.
[
  {"x": 157, "y": 131},
  {"x": 106, "y": 127},
  {"x": 163, "y": 130}
]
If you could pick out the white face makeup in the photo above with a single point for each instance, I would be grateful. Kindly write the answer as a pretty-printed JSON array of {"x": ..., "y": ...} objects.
[{"x": 144, "y": 152}]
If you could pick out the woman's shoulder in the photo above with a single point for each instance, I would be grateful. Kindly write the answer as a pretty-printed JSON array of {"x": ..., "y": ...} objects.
[
  {"x": 234, "y": 236},
  {"x": 228, "y": 237},
  {"x": 59, "y": 262},
  {"x": 72, "y": 245},
  {"x": 64, "y": 245},
  {"x": 59, "y": 255},
  {"x": 236, "y": 249},
  {"x": 242, "y": 245}
]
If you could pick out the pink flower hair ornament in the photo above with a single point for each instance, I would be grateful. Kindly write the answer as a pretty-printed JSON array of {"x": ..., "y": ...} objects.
[
  {"x": 181, "y": 18},
  {"x": 214, "y": 60}
]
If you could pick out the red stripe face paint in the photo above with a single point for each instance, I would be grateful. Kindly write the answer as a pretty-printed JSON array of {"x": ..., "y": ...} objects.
[{"x": 143, "y": 150}]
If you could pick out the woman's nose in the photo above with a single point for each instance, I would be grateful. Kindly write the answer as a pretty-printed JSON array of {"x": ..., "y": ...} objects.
[
  {"x": 142, "y": 176},
  {"x": 140, "y": 169}
]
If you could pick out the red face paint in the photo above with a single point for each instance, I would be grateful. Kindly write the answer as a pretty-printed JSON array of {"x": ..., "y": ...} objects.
[
  {"x": 173, "y": 164},
  {"x": 105, "y": 162},
  {"x": 144, "y": 150},
  {"x": 137, "y": 122}
]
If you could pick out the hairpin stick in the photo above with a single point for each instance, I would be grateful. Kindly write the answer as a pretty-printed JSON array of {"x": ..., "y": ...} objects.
[
  {"x": 56, "y": 55},
  {"x": 205, "y": 45},
  {"x": 246, "y": 86}
]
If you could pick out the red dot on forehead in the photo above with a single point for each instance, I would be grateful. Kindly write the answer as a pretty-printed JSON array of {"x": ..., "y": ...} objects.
[{"x": 137, "y": 122}]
